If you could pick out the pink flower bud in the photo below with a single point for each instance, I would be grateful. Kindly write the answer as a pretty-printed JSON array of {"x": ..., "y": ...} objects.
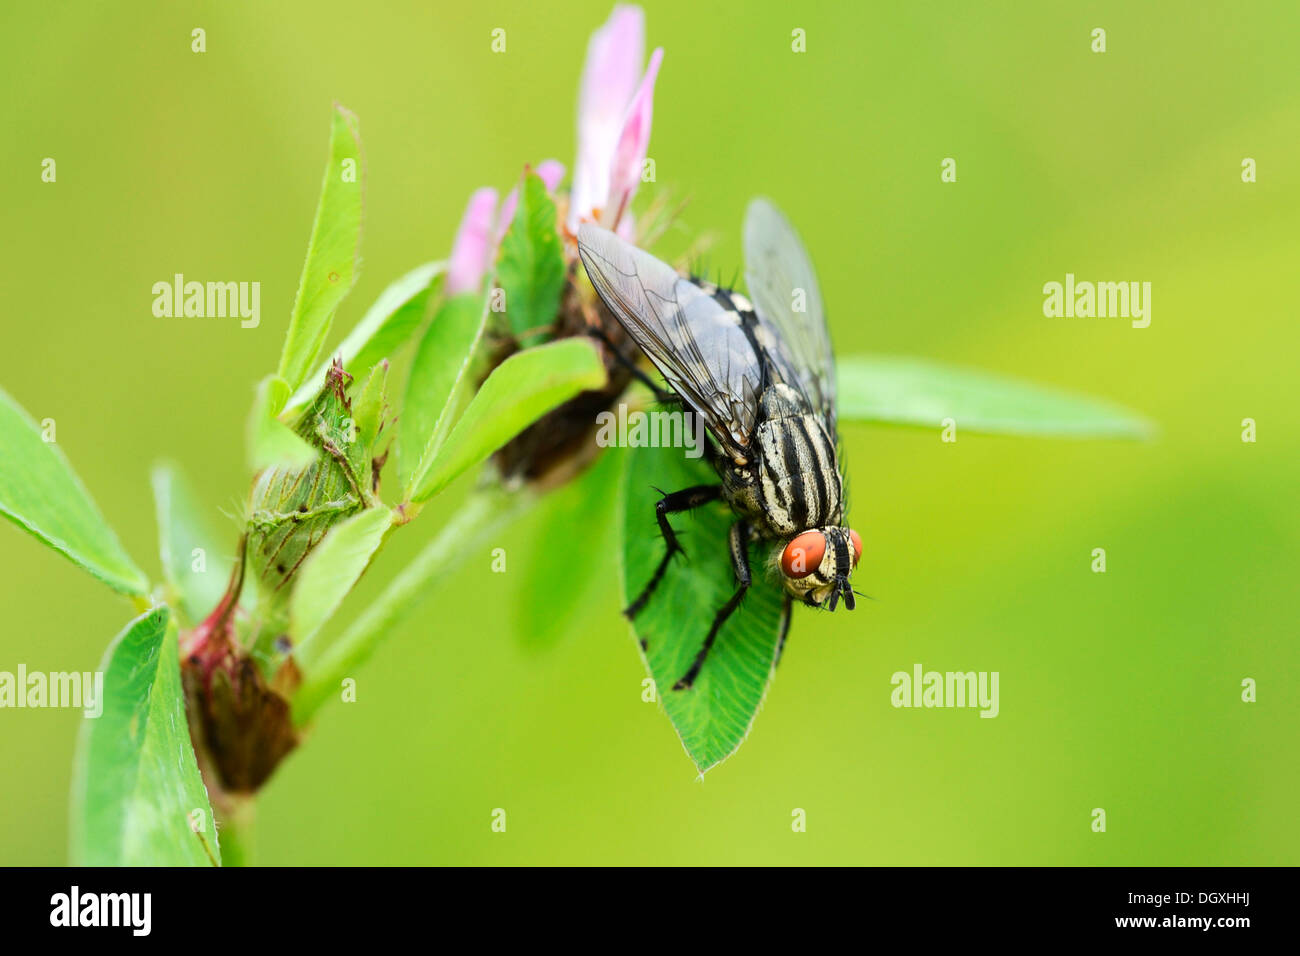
[
  {"x": 474, "y": 245},
  {"x": 609, "y": 80},
  {"x": 633, "y": 142}
]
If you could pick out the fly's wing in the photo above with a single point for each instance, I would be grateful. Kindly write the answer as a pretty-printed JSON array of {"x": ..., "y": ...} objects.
[
  {"x": 781, "y": 281},
  {"x": 699, "y": 346}
]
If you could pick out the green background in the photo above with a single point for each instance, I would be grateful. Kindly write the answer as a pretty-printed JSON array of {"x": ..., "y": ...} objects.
[{"x": 1118, "y": 690}]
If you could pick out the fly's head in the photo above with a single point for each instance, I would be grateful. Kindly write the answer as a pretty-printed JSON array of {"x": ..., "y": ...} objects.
[{"x": 816, "y": 565}]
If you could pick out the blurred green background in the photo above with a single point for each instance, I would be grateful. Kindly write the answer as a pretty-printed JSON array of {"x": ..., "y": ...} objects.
[{"x": 1119, "y": 691}]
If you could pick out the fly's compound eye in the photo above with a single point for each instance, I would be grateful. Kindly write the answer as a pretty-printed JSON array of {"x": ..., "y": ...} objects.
[
  {"x": 803, "y": 554},
  {"x": 856, "y": 541}
]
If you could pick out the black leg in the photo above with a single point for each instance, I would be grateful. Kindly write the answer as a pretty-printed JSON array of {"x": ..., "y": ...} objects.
[
  {"x": 786, "y": 614},
  {"x": 739, "y": 544},
  {"x": 683, "y": 500},
  {"x": 661, "y": 396}
]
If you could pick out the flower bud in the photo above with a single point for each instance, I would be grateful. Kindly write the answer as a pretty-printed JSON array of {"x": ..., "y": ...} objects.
[{"x": 291, "y": 510}]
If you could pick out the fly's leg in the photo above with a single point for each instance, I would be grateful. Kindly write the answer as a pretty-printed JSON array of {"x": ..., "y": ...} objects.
[
  {"x": 684, "y": 500},
  {"x": 785, "y": 632},
  {"x": 738, "y": 541}
]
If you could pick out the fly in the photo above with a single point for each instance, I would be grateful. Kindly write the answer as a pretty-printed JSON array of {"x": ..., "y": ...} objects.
[{"x": 761, "y": 375}]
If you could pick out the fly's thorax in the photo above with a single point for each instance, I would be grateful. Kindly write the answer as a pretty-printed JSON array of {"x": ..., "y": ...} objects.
[
  {"x": 798, "y": 483},
  {"x": 780, "y": 401}
]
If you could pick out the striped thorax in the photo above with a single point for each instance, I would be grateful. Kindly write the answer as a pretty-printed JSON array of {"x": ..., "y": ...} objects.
[{"x": 792, "y": 491}]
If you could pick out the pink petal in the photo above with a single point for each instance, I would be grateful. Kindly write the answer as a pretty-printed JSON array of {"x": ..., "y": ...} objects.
[
  {"x": 625, "y": 172},
  {"x": 472, "y": 250},
  {"x": 609, "y": 80},
  {"x": 552, "y": 173},
  {"x": 627, "y": 227}
]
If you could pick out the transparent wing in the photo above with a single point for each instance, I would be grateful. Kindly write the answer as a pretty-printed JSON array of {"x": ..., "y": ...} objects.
[
  {"x": 699, "y": 346},
  {"x": 781, "y": 283}
]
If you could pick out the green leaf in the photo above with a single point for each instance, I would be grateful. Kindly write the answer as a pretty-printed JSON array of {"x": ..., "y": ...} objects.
[
  {"x": 563, "y": 564},
  {"x": 272, "y": 443},
  {"x": 519, "y": 391},
  {"x": 40, "y": 492},
  {"x": 906, "y": 391},
  {"x": 136, "y": 782},
  {"x": 369, "y": 407},
  {"x": 531, "y": 269},
  {"x": 334, "y": 254},
  {"x": 183, "y": 526},
  {"x": 713, "y": 716},
  {"x": 386, "y": 327},
  {"x": 441, "y": 362},
  {"x": 331, "y": 570}
]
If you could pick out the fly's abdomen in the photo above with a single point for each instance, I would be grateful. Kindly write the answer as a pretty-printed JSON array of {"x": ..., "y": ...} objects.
[{"x": 798, "y": 475}]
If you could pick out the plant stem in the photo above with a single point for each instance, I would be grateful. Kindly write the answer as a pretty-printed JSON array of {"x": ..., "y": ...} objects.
[
  {"x": 235, "y": 820},
  {"x": 483, "y": 514}
]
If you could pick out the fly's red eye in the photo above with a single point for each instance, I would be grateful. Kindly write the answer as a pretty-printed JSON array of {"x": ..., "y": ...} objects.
[
  {"x": 857, "y": 546},
  {"x": 803, "y": 554}
]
